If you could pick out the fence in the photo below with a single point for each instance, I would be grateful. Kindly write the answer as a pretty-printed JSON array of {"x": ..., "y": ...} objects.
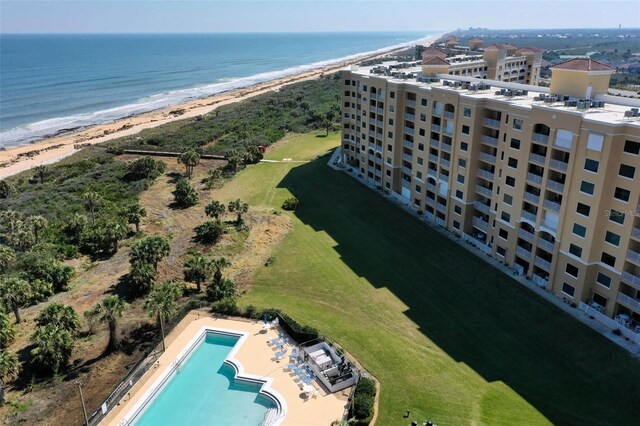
[
  {"x": 138, "y": 371},
  {"x": 609, "y": 322}
]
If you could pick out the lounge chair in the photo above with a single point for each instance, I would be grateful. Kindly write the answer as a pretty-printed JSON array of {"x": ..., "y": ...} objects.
[
  {"x": 304, "y": 373},
  {"x": 299, "y": 368},
  {"x": 276, "y": 340},
  {"x": 282, "y": 343},
  {"x": 281, "y": 354},
  {"x": 308, "y": 380},
  {"x": 294, "y": 354}
]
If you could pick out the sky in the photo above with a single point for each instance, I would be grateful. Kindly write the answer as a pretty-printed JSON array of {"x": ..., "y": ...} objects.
[{"x": 143, "y": 16}]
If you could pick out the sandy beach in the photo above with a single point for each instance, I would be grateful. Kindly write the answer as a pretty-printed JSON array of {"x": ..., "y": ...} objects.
[{"x": 51, "y": 150}]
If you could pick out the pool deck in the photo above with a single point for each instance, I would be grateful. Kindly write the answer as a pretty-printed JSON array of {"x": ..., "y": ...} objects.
[{"x": 257, "y": 360}]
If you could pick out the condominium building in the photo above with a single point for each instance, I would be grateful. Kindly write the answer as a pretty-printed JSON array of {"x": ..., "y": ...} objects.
[{"x": 545, "y": 180}]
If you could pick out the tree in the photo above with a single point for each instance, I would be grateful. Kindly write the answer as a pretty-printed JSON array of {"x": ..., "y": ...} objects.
[
  {"x": 7, "y": 332},
  {"x": 54, "y": 346},
  {"x": 218, "y": 265},
  {"x": 252, "y": 155},
  {"x": 35, "y": 266},
  {"x": 215, "y": 209},
  {"x": 41, "y": 171},
  {"x": 162, "y": 303},
  {"x": 209, "y": 232},
  {"x": 190, "y": 159},
  {"x": 37, "y": 223},
  {"x": 135, "y": 212},
  {"x": 90, "y": 316},
  {"x": 14, "y": 292},
  {"x": 234, "y": 158},
  {"x": 6, "y": 189},
  {"x": 197, "y": 269},
  {"x": 239, "y": 207},
  {"x": 92, "y": 200},
  {"x": 112, "y": 233},
  {"x": 7, "y": 258},
  {"x": 223, "y": 289},
  {"x": 141, "y": 277},
  {"x": 75, "y": 225},
  {"x": 109, "y": 310},
  {"x": 8, "y": 371},
  {"x": 63, "y": 316},
  {"x": 145, "y": 168},
  {"x": 185, "y": 195},
  {"x": 150, "y": 250}
]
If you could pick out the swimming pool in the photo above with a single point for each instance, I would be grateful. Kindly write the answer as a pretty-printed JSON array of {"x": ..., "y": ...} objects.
[{"x": 202, "y": 391}]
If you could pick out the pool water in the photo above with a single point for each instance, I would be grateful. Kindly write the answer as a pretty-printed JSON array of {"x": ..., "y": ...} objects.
[{"x": 203, "y": 392}]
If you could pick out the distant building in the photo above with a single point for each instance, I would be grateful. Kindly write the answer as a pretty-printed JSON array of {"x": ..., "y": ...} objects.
[{"x": 475, "y": 43}]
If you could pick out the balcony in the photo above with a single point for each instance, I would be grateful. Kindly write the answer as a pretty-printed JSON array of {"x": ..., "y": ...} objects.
[
  {"x": 433, "y": 158},
  {"x": 525, "y": 235},
  {"x": 633, "y": 256},
  {"x": 409, "y": 131},
  {"x": 406, "y": 183},
  {"x": 559, "y": 165},
  {"x": 630, "y": 279},
  {"x": 537, "y": 159},
  {"x": 449, "y": 115},
  {"x": 480, "y": 224},
  {"x": 372, "y": 133},
  {"x": 432, "y": 188},
  {"x": 407, "y": 157},
  {"x": 485, "y": 174},
  {"x": 447, "y": 130},
  {"x": 548, "y": 204},
  {"x": 378, "y": 110},
  {"x": 379, "y": 123},
  {"x": 371, "y": 146},
  {"x": 635, "y": 233},
  {"x": 629, "y": 302},
  {"x": 481, "y": 207},
  {"x": 491, "y": 122},
  {"x": 441, "y": 208},
  {"x": 541, "y": 263},
  {"x": 483, "y": 191},
  {"x": 378, "y": 173},
  {"x": 488, "y": 158},
  {"x": 489, "y": 140},
  {"x": 546, "y": 245},
  {"x": 407, "y": 144},
  {"x": 435, "y": 127},
  {"x": 434, "y": 143},
  {"x": 446, "y": 147},
  {"x": 410, "y": 103},
  {"x": 410, "y": 117},
  {"x": 379, "y": 136},
  {"x": 523, "y": 253},
  {"x": 528, "y": 216},
  {"x": 531, "y": 197},
  {"x": 445, "y": 163},
  {"x": 406, "y": 170},
  {"x": 378, "y": 161},
  {"x": 540, "y": 138},
  {"x": 372, "y": 120},
  {"x": 534, "y": 178},
  {"x": 555, "y": 186}
]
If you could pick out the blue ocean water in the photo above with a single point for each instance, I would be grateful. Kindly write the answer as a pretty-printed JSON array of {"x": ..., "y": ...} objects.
[{"x": 51, "y": 83}]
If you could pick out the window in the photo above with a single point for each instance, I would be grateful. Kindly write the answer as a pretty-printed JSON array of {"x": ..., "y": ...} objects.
[
  {"x": 390, "y": 135},
  {"x": 583, "y": 209},
  {"x": 456, "y": 224},
  {"x": 423, "y": 117},
  {"x": 460, "y": 179},
  {"x": 391, "y": 122},
  {"x": 464, "y": 146},
  {"x": 587, "y": 187},
  {"x": 457, "y": 209},
  {"x": 575, "y": 250},
  {"x": 503, "y": 234},
  {"x": 423, "y": 102},
  {"x": 594, "y": 142},
  {"x": 512, "y": 163},
  {"x": 420, "y": 161},
  {"x": 616, "y": 216},
  {"x": 421, "y": 132},
  {"x": 607, "y": 259},
  {"x": 420, "y": 147},
  {"x": 418, "y": 175},
  {"x": 465, "y": 130},
  {"x": 466, "y": 112},
  {"x": 506, "y": 217},
  {"x": 579, "y": 230},
  {"x": 515, "y": 143},
  {"x": 508, "y": 199},
  {"x": 627, "y": 171},
  {"x": 392, "y": 94},
  {"x": 621, "y": 194},
  {"x": 388, "y": 161},
  {"x": 632, "y": 147},
  {"x": 591, "y": 165},
  {"x": 569, "y": 290},
  {"x": 501, "y": 251},
  {"x": 612, "y": 238},
  {"x": 388, "y": 172},
  {"x": 603, "y": 280},
  {"x": 510, "y": 181},
  {"x": 462, "y": 162},
  {"x": 392, "y": 108},
  {"x": 418, "y": 189},
  {"x": 459, "y": 194},
  {"x": 572, "y": 270},
  {"x": 389, "y": 147},
  {"x": 517, "y": 124}
]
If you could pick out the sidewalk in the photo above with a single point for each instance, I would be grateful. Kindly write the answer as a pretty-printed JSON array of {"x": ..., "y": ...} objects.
[{"x": 547, "y": 295}]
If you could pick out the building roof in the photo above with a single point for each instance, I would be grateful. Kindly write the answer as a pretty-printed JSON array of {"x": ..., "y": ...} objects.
[
  {"x": 433, "y": 51},
  {"x": 582, "y": 64},
  {"x": 434, "y": 60},
  {"x": 531, "y": 49},
  {"x": 499, "y": 46},
  {"x": 476, "y": 39}
]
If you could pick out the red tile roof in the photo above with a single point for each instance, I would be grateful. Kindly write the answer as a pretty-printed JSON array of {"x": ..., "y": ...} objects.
[
  {"x": 582, "y": 64},
  {"x": 432, "y": 51},
  {"x": 434, "y": 60},
  {"x": 500, "y": 47}
]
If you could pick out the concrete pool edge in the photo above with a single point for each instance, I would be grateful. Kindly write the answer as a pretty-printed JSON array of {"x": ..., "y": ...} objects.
[{"x": 158, "y": 384}]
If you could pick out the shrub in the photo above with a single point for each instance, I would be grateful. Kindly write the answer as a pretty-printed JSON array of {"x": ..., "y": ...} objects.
[
  {"x": 226, "y": 306},
  {"x": 209, "y": 232},
  {"x": 290, "y": 204},
  {"x": 185, "y": 195},
  {"x": 363, "y": 400}
]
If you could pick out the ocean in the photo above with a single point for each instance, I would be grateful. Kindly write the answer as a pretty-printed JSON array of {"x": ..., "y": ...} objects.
[{"x": 55, "y": 83}]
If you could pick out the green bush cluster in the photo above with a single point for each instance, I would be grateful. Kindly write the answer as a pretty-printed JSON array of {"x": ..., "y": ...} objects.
[
  {"x": 290, "y": 204},
  {"x": 363, "y": 400}
]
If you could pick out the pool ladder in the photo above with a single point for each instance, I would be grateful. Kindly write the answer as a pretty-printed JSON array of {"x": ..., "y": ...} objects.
[{"x": 270, "y": 417}]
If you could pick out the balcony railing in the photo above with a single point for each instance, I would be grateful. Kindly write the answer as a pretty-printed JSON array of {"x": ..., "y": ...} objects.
[
  {"x": 555, "y": 186},
  {"x": 489, "y": 140},
  {"x": 534, "y": 178},
  {"x": 485, "y": 174},
  {"x": 409, "y": 130},
  {"x": 378, "y": 110},
  {"x": 410, "y": 117},
  {"x": 406, "y": 183},
  {"x": 546, "y": 245},
  {"x": 559, "y": 165},
  {"x": 488, "y": 158},
  {"x": 540, "y": 138},
  {"x": 407, "y": 144},
  {"x": 446, "y": 147},
  {"x": 407, "y": 157},
  {"x": 441, "y": 208},
  {"x": 483, "y": 191},
  {"x": 445, "y": 163},
  {"x": 447, "y": 131},
  {"x": 528, "y": 216},
  {"x": 433, "y": 158},
  {"x": 434, "y": 143},
  {"x": 552, "y": 205},
  {"x": 437, "y": 111},
  {"x": 378, "y": 161},
  {"x": 372, "y": 133},
  {"x": 635, "y": 233},
  {"x": 406, "y": 170},
  {"x": 432, "y": 188},
  {"x": 379, "y": 123},
  {"x": 633, "y": 256},
  {"x": 410, "y": 103},
  {"x": 630, "y": 279},
  {"x": 379, "y": 136},
  {"x": 378, "y": 173},
  {"x": 435, "y": 127},
  {"x": 525, "y": 235},
  {"x": 449, "y": 114},
  {"x": 523, "y": 253},
  {"x": 541, "y": 263},
  {"x": 629, "y": 302},
  {"x": 537, "y": 159},
  {"x": 481, "y": 207},
  {"x": 531, "y": 197},
  {"x": 491, "y": 122},
  {"x": 480, "y": 223}
]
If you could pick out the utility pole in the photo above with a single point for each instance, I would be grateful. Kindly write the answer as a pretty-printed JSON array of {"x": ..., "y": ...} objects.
[{"x": 84, "y": 408}]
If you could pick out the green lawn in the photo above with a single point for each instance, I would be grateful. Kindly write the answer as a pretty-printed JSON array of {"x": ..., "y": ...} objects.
[{"x": 448, "y": 337}]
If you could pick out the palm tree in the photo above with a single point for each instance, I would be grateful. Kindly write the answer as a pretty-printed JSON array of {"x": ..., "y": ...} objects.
[
  {"x": 92, "y": 201},
  {"x": 90, "y": 317},
  {"x": 234, "y": 159},
  {"x": 135, "y": 212},
  {"x": 41, "y": 171},
  {"x": 109, "y": 310},
  {"x": 162, "y": 303},
  {"x": 197, "y": 269},
  {"x": 6, "y": 189},
  {"x": 75, "y": 225},
  {"x": 223, "y": 289},
  {"x": 8, "y": 370},
  {"x": 54, "y": 346},
  {"x": 38, "y": 223},
  {"x": 215, "y": 209},
  {"x": 114, "y": 232},
  {"x": 7, "y": 332},
  {"x": 61, "y": 315},
  {"x": 141, "y": 277},
  {"x": 190, "y": 159},
  {"x": 150, "y": 250},
  {"x": 14, "y": 292},
  {"x": 7, "y": 258},
  {"x": 239, "y": 207},
  {"x": 217, "y": 265}
]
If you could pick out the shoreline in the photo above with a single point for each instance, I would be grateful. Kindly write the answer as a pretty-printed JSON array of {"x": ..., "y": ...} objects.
[{"x": 14, "y": 160}]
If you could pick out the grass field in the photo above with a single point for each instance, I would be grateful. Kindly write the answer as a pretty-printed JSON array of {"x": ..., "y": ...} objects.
[{"x": 448, "y": 337}]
